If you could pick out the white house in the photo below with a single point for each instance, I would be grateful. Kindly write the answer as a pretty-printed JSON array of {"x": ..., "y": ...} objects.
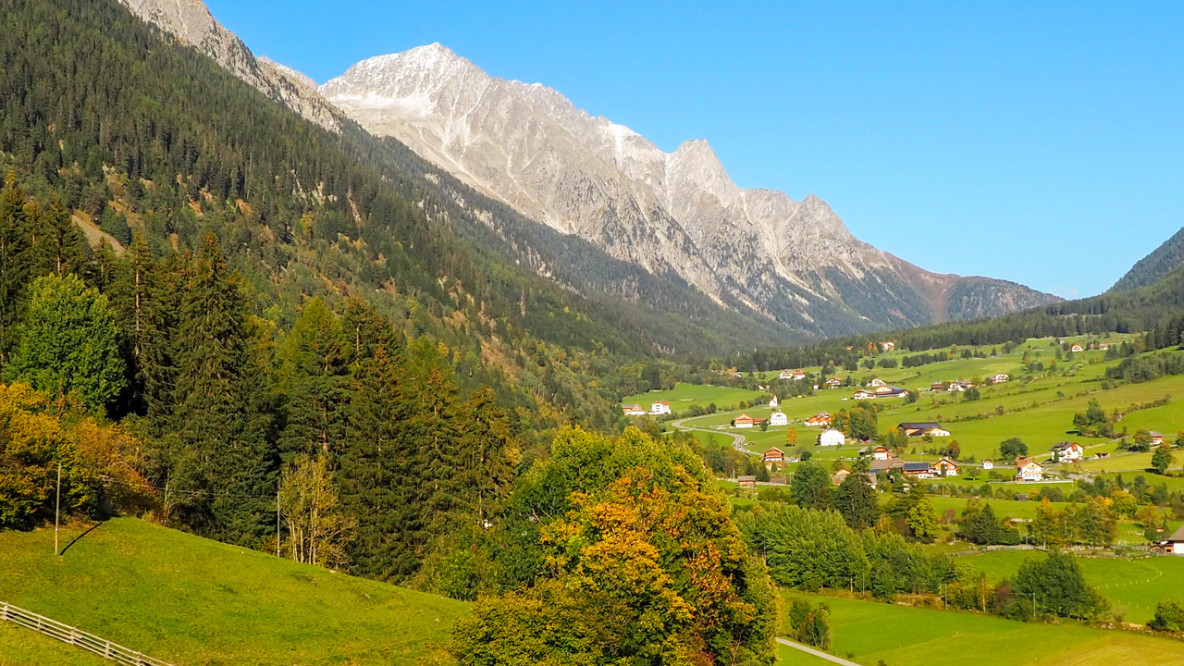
[
  {"x": 773, "y": 404},
  {"x": 863, "y": 395},
  {"x": 785, "y": 374},
  {"x": 1028, "y": 470},
  {"x": 778, "y": 419},
  {"x": 1001, "y": 378},
  {"x": 660, "y": 408},
  {"x": 1175, "y": 543},
  {"x": 633, "y": 410},
  {"x": 818, "y": 420},
  {"x": 987, "y": 464},
  {"x": 887, "y": 345},
  {"x": 881, "y": 453},
  {"x": 1076, "y": 348},
  {"x": 1068, "y": 452},
  {"x": 834, "y": 383},
  {"x": 832, "y": 437},
  {"x": 877, "y": 382},
  {"x": 945, "y": 467}
]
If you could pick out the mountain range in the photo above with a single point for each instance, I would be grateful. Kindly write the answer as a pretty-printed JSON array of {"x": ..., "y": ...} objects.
[{"x": 678, "y": 216}]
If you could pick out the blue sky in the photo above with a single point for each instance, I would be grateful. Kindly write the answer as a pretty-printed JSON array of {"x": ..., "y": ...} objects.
[{"x": 1036, "y": 142}]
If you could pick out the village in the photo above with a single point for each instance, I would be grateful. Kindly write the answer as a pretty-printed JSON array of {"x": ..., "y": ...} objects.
[{"x": 958, "y": 427}]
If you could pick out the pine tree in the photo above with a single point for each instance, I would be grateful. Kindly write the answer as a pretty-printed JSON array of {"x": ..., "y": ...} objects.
[
  {"x": 315, "y": 377},
  {"x": 218, "y": 428},
  {"x": 376, "y": 479},
  {"x": 14, "y": 262}
]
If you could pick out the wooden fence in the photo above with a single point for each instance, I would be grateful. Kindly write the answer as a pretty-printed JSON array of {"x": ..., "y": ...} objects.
[{"x": 76, "y": 637}]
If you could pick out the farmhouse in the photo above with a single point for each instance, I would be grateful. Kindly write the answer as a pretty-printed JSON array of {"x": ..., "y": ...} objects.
[
  {"x": 839, "y": 477},
  {"x": 1157, "y": 438},
  {"x": 945, "y": 467},
  {"x": 773, "y": 455},
  {"x": 863, "y": 395},
  {"x": 959, "y": 386},
  {"x": 887, "y": 345},
  {"x": 743, "y": 421},
  {"x": 633, "y": 410},
  {"x": 834, "y": 383},
  {"x": 922, "y": 429},
  {"x": 819, "y": 420},
  {"x": 881, "y": 453},
  {"x": 937, "y": 387},
  {"x": 778, "y": 419},
  {"x": 918, "y": 470},
  {"x": 1174, "y": 543},
  {"x": 1027, "y": 469},
  {"x": 988, "y": 464},
  {"x": 1001, "y": 378},
  {"x": 660, "y": 408},
  {"x": 877, "y": 382},
  {"x": 1068, "y": 452},
  {"x": 880, "y": 392},
  {"x": 795, "y": 375},
  {"x": 773, "y": 404},
  {"x": 1076, "y": 348},
  {"x": 746, "y": 481},
  {"x": 832, "y": 437}
]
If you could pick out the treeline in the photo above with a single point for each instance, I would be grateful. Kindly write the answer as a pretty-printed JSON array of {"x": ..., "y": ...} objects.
[
  {"x": 811, "y": 549},
  {"x": 365, "y": 429}
]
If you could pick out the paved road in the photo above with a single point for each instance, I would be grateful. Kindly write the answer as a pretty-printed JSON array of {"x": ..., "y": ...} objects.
[
  {"x": 817, "y": 653},
  {"x": 737, "y": 440}
]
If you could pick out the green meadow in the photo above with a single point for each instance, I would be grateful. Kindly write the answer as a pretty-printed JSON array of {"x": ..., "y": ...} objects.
[
  {"x": 1133, "y": 586},
  {"x": 685, "y": 396},
  {"x": 189, "y": 600},
  {"x": 870, "y": 633}
]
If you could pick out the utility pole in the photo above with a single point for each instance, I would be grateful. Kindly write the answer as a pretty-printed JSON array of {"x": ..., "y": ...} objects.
[{"x": 57, "y": 510}]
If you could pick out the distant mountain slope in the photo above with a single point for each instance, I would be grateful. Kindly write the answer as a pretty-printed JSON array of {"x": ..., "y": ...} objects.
[
  {"x": 1155, "y": 266},
  {"x": 530, "y": 147}
]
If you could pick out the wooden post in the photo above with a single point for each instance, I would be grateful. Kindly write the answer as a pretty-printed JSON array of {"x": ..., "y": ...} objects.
[{"x": 57, "y": 511}]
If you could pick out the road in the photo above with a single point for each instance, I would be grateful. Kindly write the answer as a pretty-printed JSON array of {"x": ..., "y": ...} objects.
[
  {"x": 737, "y": 440},
  {"x": 817, "y": 653}
]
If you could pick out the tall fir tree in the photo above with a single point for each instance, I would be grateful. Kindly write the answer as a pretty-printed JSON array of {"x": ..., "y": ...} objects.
[
  {"x": 315, "y": 378},
  {"x": 223, "y": 467}
]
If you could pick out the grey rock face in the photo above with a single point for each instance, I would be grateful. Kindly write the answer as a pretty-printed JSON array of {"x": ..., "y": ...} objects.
[
  {"x": 532, "y": 148},
  {"x": 191, "y": 23}
]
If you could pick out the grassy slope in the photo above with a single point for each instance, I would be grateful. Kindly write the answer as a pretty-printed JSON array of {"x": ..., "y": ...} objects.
[
  {"x": 189, "y": 600},
  {"x": 685, "y": 396},
  {"x": 1133, "y": 586},
  {"x": 903, "y": 636},
  {"x": 1039, "y": 411}
]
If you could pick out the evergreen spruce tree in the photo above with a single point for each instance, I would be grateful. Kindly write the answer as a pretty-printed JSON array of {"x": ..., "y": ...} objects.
[
  {"x": 315, "y": 378},
  {"x": 14, "y": 262},
  {"x": 223, "y": 466}
]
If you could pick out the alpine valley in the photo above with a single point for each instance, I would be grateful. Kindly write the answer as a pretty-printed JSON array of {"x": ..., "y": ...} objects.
[{"x": 678, "y": 216}]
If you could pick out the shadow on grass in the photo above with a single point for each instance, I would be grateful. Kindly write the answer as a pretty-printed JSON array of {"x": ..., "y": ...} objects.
[{"x": 79, "y": 538}]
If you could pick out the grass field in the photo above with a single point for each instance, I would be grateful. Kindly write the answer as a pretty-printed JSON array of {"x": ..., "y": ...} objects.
[
  {"x": 685, "y": 396},
  {"x": 899, "y": 636},
  {"x": 1038, "y": 409},
  {"x": 1133, "y": 586},
  {"x": 188, "y": 600}
]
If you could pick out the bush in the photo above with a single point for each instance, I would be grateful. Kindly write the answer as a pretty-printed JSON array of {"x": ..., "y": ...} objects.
[{"x": 1169, "y": 616}]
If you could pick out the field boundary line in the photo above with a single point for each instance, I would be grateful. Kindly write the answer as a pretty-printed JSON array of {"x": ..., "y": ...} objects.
[
  {"x": 817, "y": 653},
  {"x": 76, "y": 637}
]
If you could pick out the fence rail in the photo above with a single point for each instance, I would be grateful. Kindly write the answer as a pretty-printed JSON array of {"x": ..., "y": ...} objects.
[{"x": 76, "y": 637}]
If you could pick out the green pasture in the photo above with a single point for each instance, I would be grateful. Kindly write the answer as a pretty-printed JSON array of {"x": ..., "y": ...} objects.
[
  {"x": 189, "y": 600},
  {"x": 684, "y": 396},
  {"x": 1133, "y": 585},
  {"x": 870, "y": 632}
]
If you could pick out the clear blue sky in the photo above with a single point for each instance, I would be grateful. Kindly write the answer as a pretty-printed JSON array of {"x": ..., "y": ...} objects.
[{"x": 1041, "y": 142}]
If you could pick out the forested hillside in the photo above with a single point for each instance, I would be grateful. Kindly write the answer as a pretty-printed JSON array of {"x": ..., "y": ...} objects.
[
  {"x": 93, "y": 111},
  {"x": 1157, "y": 308},
  {"x": 1155, "y": 266}
]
